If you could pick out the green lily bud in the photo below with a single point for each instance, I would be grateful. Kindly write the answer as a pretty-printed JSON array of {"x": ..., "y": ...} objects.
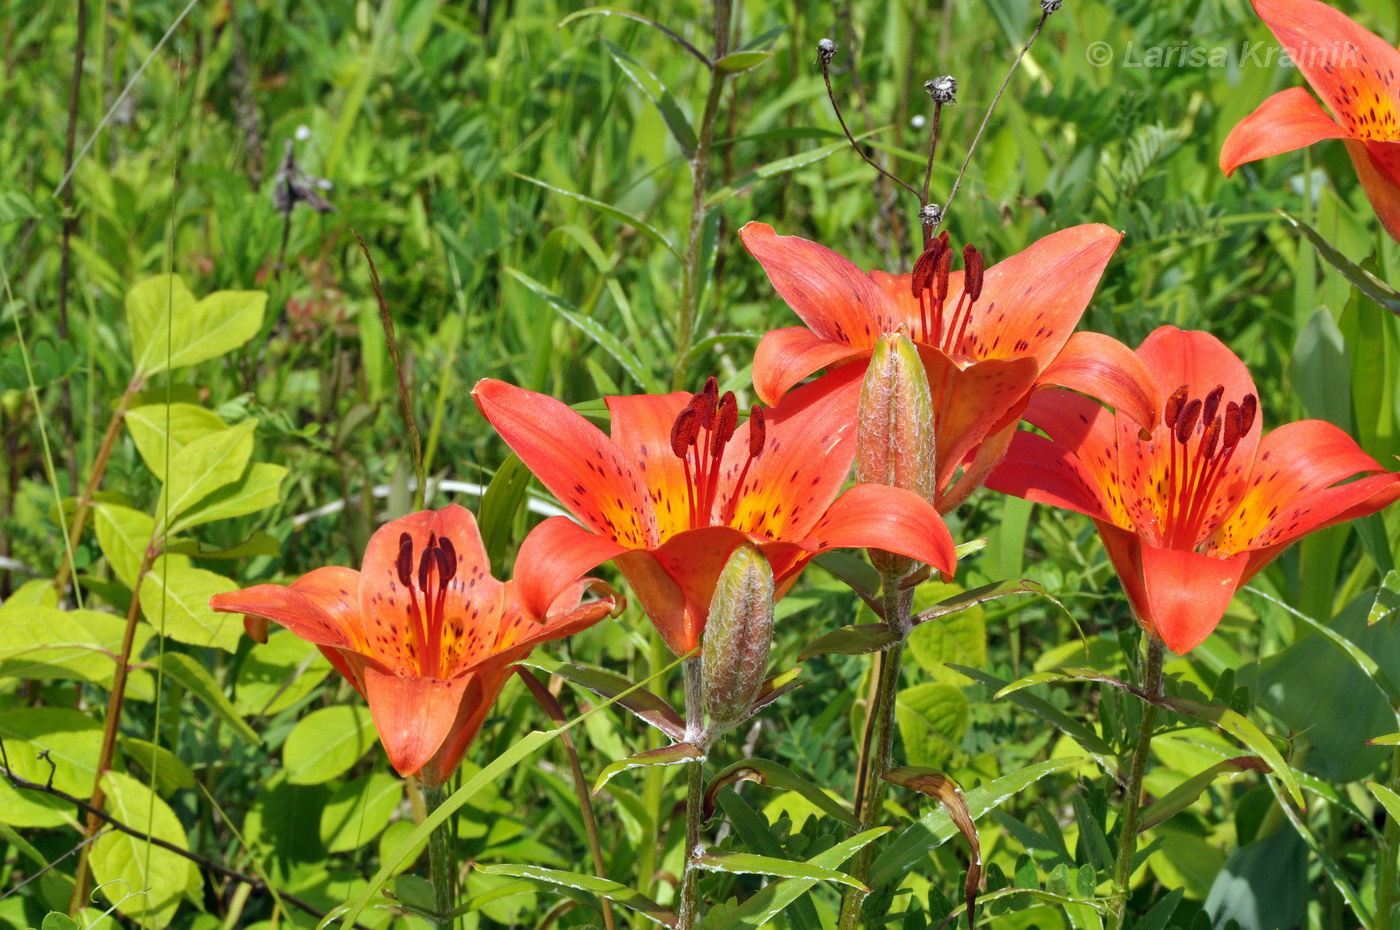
[
  {"x": 896, "y": 433},
  {"x": 734, "y": 654}
]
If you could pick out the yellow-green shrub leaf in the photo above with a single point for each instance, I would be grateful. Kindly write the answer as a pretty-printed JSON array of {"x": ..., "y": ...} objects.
[
  {"x": 257, "y": 489},
  {"x": 175, "y": 600},
  {"x": 123, "y": 535},
  {"x": 143, "y": 881},
  {"x": 326, "y": 742},
  {"x": 170, "y": 329},
  {"x": 358, "y": 810},
  {"x": 203, "y": 467},
  {"x": 156, "y": 428}
]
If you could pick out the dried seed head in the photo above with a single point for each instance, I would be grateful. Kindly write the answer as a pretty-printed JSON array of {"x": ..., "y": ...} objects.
[
  {"x": 826, "y": 50},
  {"x": 930, "y": 214},
  {"x": 1050, "y": 6},
  {"x": 738, "y": 634},
  {"x": 943, "y": 89}
]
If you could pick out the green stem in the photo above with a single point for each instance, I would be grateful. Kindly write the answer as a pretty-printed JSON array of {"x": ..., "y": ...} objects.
[
  {"x": 1389, "y": 865},
  {"x": 441, "y": 868},
  {"x": 699, "y": 180},
  {"x": 694, "y": 796},
  {"x": 879, "y": 737},
  {"x": 1132, "y": 797}
]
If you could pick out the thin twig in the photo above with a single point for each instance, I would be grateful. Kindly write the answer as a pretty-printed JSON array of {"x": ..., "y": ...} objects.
[
  {"x": 70, "y": 224},
  {"x": 387, "y": 321},
  {"x": 986, "y": 117},
  {"x": 252, "y": 881},
  {"x": 831, "y": 95},
  {"x": 932, "y": 150}
]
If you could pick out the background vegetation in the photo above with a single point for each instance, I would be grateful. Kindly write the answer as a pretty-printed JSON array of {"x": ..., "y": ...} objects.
[{"x": 523, "y": 188}]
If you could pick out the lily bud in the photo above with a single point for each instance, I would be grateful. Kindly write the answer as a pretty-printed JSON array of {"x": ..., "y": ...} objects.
[
  {"x": 895, "y": 435},
  {"x": 734, "y": 654}
]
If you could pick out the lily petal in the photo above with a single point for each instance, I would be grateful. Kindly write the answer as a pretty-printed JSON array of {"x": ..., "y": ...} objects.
[
  {"x": 873, "y": 516},
  {"x": 1188, "y": 593},
  {"x": 413, "y": 715},
  {"x": 1379, "y": 184},
  {"x": 1038, "y": 469},
  {"x": 1352, "y": 69},
  {"x": 475, "y": 705},
  {"x": 1289, "y": 120},
  {"x": 641, "y": 427},
  {"x": 1105, "y": 369},
  {"x": 786, "y": 356},
  {"x": 571, "y": 457},
  {"x": 321, "y": 607},
  {"x": 1032, "y": 301},
  {"x": 553, "y": 557},
  {"x": 836, "y": 300},
  {"x": 691, "y": 561},
  {"x": 973, "y": 402}
]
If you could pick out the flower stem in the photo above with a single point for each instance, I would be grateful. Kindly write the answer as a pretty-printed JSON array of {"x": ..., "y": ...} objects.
[
  {"x": 879, "y": 736},
  {"x": 441, "y": 868},
  {"x": 1132, "y": 798},
  {"x": 1389, "y": 866},
  {"x": 699, "y": 179},
  {"x": 694, "y": 796}
]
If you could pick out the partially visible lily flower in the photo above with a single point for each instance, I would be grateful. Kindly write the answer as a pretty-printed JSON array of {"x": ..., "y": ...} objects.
[
  {"x": 681, "y": 482},
  {"x": 1190, "y": 514},
  {"x": 1357, "y": 74},
  {"x": 987, "y": 336},
  {"x": 422, "y": 631}
]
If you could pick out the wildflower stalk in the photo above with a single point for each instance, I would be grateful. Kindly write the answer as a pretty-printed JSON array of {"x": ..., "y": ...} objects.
[
  {"x": 695, "y": 793},
  {"x": 1132, "y": 798},
  {"x": 879, "y": 737},
  {"x": 699, "y": 179},
  {"x": 441, "y": 868},
  {"x": 1388, "y": 868}
]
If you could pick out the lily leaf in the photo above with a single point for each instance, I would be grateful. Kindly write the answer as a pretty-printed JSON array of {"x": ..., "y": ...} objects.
[
  {"x": 574, "y": 881},
  {"x": 1186, "y": 793},
  {"x": 772, "y": 775},
  {"x": 741, "y": 863},
  {"x": 647, "y": 706},
  {"x": 1244, "y": 730},
  {"x": 1365, "y": 282},
  {"x": 674, "y": 754},
  {"x": 983, "y": 594},
  {"x": 850, "y": 641},
  {"x": 947, "y": 792}
]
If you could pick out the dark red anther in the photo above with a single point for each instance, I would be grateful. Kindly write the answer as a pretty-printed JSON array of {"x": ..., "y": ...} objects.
[
  {"x": 1186, "y": 425},
  {"x": 973, "y": 268},
  {"x": 446, "y": 560},
  {"x": 1212, "y": 403},
  {"x": 706, "y": 401},
  {"x": 404, "y": 563},
  {"x": 685, "y": 430},
  {"x": 1172, "y": 411},
  {"x": 1209, "y": 438},
  {"x": 941, "y": 271},
  {"x": 425, "y": 562},
  {"x": 1232, "y": 434},
  {"x": 758, "y": 430},
  {"x": 1249, "y": 408},
  {"x": 726, "y": 421}
]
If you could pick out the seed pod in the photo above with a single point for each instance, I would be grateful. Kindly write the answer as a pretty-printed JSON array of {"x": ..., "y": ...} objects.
[
  {"x": 895, "y": 429},
  {"x": 738, "y": 634}
]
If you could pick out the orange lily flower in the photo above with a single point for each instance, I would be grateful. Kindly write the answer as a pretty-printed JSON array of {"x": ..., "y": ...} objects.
[
  {"x": 422, "y": 631},
  {"x": 681, "y": 482},
  {"x": 1190, "y": 514},
  {"x": 1357, "y": 74},
  {"x": 987, "y": 337}
]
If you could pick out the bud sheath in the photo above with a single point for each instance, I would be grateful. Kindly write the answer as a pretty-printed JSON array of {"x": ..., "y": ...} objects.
[{"x": 734, "y": 655}]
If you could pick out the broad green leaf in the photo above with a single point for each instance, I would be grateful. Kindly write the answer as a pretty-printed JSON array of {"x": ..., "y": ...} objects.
[
  {"x": 505, "y": 497},
  {"x": 674, "y": 754},
  {"x": 741, "y": 863},
  {"x": 326, "y": 742},
  {"x": 960, "y": 636},
  {"x": 932, "y": 717},
  {"x": 170, "y": 772},
  {"x": 175, "y": 601},
  {"x": 143, "y": 881},
  {"x": 741, "y": 61},
  {"x": 203, "y": 467},
  {"x": 45, "y": 642},
  {"x": 70, "y": 741},
  {"x": 357, "y": 811},
  {"x": 195, "y": 678},
  {"x": 850, "y": 641},
  {"x": 56, "y": 921},
  {"x": 160, "y": 428},
  {"x": 659, "y": 96},
  {"x": 1387, "y": 798},
  {"x": 780, "y": 778},
  {"x": 607, "y": 209},
  {"x": 257, "y": 489},
  {"x": 910, "y": 849},
  {"x": 278, "y": 673},
  {"x": 170, "y": 329},
  {"x": 767, "y": 902},
  {"x": 37, "y": 593},
  {"x": 123, "y": 535},
  {"x": 258, "y": 543},
  {"x": 569, "y": 882}
]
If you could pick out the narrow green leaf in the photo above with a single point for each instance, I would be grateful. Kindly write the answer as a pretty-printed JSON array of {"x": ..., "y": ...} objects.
[
  {"x": 741, "y": 863},
  {"x": 195, "y": 678},
  {"x": 607, "y": 209},
  {"x": 1365, "y": 282},
  {"x": 656, "y": 92},
  {"x": 1387, "y": 798},
  {"x": 742, "y": 61},
  {"x": 850, "y": 641},
  {"x": 618, "y": 893},
  {"x": 778, "y": 777},
  {"x": 1091, "y": 742},
  {"x": 983, "y": 594},
  {"x": 1186, "y": 793},
  {"x": 1387, "y": 598},
  {"x": 647, "y": 706},
  {"x": 781, "y": 166},
  {"x": 1246, "y": 732},
  {"x": 674, "y": 754}
]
